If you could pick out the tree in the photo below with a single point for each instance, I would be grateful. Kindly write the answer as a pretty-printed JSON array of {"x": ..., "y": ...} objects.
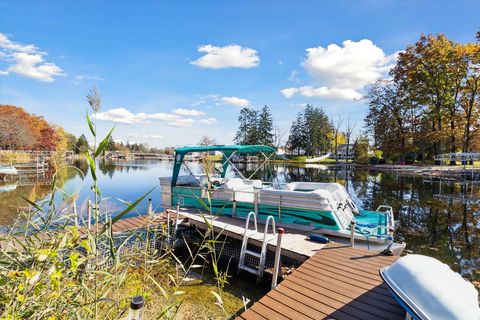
[
  {"x": 432, "y": 72},
  {"x": 265, "y": 127},
  {"x": 82, "y": 144},
  {"x": 21, "y": 130},
  {"x": 360, "y": 149},
  {"x": 392, "y": 119},
  {"x": 298, "y": 134},
  {"x": 17, "y": 130},
  {"x": 432, "y": 99},
  {"x": 206, "y": 141},
  {"x": 348, "y": 134},
  {"x": 254, "y": 127},
  {"x": 336, "y": 132},
  {"x": 310, "y": 132}
]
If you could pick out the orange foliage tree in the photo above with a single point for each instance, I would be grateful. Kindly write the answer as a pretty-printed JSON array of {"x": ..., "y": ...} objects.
[{"x": 20, "y": 130}]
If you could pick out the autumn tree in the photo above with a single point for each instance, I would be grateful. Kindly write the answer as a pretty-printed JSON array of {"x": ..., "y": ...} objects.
[{"x": 20, "y": 130}]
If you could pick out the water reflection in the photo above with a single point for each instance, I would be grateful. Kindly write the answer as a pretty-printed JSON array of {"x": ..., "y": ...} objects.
[{"x": 438, "y": 218}]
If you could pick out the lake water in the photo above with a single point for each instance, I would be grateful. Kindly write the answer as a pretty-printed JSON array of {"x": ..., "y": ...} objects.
[{"x": 438, "y": 218}]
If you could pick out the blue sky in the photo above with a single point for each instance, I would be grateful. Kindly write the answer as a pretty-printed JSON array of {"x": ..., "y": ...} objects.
[{"x": 169, "y": 72}]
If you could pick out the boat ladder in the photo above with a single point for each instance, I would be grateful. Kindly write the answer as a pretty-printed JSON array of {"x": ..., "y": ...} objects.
[{"x": 262, "y": 255}]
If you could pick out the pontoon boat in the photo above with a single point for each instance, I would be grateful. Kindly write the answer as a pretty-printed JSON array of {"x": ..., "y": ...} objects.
[{"x": 325, "y": 207}]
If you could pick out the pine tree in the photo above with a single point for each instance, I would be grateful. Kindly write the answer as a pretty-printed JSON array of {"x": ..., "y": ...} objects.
[
  {"x": 82, "y": 144},
  {"x": 265, "y": 127}
]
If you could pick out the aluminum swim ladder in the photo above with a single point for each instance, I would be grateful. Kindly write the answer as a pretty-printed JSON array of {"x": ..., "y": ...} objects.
[{"x": 262, "y": 255}]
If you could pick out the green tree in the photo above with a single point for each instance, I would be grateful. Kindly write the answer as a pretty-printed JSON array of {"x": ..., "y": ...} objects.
[
  {"x": 81, "y": 145},
  {"x": 360, "y": 149},
  {"x": 310, "y": 132},
  {"x": 265, "y": 127}
]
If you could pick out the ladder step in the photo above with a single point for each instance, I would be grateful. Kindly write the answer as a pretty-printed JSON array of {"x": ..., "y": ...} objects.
[
  {"x": 249, "y": 269},
  {"x": 253, "y": 253}
]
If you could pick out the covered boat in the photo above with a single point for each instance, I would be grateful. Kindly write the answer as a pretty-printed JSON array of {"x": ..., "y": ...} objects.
[
  {"x": 429, "y": 290},
  {"x": 8, "y": 170},
  {"x": 323, "y": 207}
]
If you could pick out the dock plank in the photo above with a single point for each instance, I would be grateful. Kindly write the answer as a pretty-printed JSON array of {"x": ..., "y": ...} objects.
[{"x": 337, "y": 282}]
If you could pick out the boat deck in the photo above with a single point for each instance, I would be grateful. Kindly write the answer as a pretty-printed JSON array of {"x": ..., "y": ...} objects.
[{"x": 337, "y": 282}]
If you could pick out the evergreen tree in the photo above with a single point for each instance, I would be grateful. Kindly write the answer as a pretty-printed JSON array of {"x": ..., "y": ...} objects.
[
  {"x": 310, "y": 132},
  {"x": 82, "y": 144},
  {"x": 265, "y": 127},
  {"x": 242, "y": 128}
]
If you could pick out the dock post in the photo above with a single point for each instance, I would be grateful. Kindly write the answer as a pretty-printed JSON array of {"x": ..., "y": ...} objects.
[
  {"x": 352, "y": 233},
  {"x": 89, "y": 214},
  {"x": 168, "y": 225},
  {"x": 234, "y": 204},
  {"x": 150, "y": 209},
  {"x": 278, "y": 254},
  {"x": 255, "y": 202}
]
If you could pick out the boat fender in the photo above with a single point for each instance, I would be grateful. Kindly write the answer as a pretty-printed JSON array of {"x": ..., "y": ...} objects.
[{"x": 318, "y": 238}]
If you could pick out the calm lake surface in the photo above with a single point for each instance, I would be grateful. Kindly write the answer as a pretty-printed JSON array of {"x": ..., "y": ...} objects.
[{"x": 439, "y": 218}]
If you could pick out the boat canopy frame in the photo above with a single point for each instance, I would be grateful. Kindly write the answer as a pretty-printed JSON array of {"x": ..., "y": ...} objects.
[{"x": 228, "y": 152}]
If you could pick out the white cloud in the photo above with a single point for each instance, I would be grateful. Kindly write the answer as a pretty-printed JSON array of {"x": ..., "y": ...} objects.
[
  {"x": 208, "y": 121},
  {"x": 27, "y": 60},
  {"x": 341, "y": 72},
  {"x": 80, "y": 78},
  {"x": 124, "y": 116},
  {"x": 145, "y": 136},
  {"x": 323, "y": 92},
  {"x": 188, "y": 112},
  {"x": 289, "y": 92},
  {"x": 185, "y": 122},
  {"x": 231, "y": 56},
  {"x": 294, "y": 76},
  {"x": 235, "y": 101}
]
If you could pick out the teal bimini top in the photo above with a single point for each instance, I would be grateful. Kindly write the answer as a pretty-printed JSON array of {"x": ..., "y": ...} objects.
[
  {"x": 242, "y": 149},
  {"x": 226, "y": 150}
]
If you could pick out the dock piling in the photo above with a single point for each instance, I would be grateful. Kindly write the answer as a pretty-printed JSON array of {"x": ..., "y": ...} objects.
[
  {"x": 278, "y": 254},
  {"x": 352, "y": 233},
  {"x": 150, "y": 208}
]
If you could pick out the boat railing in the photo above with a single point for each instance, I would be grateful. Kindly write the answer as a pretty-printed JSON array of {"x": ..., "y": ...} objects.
[{"x": 388, "y": 210}]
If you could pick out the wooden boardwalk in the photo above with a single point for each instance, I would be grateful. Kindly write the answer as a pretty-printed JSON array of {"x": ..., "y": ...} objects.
[{"x": 338, "y": 282}]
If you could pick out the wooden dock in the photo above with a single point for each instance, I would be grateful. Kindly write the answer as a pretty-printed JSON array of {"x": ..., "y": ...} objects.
[
  {"x": 294, "y": 243},
  {"x": 338, "y": 282},
  {"x": 335, "y": 281}
]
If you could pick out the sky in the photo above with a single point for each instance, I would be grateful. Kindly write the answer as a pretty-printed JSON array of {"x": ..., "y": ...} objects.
[{"x": 172, "y": 71}]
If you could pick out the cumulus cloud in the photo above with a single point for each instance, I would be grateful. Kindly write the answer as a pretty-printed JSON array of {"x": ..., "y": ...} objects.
[
  {"x": 27, "y": 60},
  {"x": 341, "y": 72},
  {"x": 208, "y": 121},
  {"x": 231, "y": 56},
  {"x": 235, "y": 101},
  {"x": 188, "y": 112},
  {"x": 184, "y": 122},
  {"x": 125, "y": 116}
]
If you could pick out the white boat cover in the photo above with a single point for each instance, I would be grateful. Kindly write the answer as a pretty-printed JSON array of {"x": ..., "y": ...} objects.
[{"x": 431, "y": 289}]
